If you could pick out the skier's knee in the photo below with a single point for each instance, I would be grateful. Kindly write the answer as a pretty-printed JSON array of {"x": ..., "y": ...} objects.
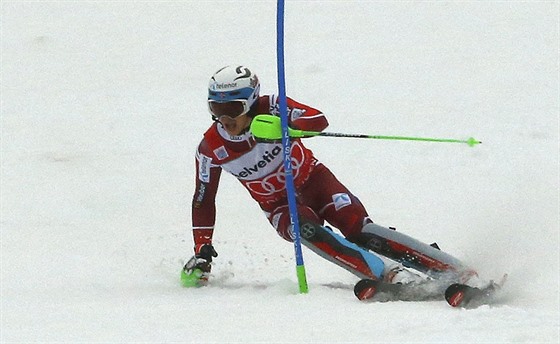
[{"x": 281, "y": 221}]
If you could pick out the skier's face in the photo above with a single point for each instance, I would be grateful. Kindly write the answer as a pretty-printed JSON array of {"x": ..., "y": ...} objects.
[
  {"x": 232, "y": 108},
  {"x": 235, "y": 126},
  {"x": 232, "y": 115}
]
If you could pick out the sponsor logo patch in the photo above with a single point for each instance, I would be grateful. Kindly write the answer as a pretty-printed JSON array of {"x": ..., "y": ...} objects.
[
  {"x": 204, "y": 168},
  {"x": 200, "y": 196},
  {"x": 296, "y": 113},
  {"x": 221, "y": 152},
  {"x": 341, "y": 200}
]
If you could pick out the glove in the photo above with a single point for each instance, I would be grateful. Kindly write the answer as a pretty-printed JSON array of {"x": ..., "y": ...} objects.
[{"x": 195, "y": 273}]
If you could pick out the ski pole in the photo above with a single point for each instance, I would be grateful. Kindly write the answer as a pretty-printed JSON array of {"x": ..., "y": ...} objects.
[{"x": 268, "y": 127}]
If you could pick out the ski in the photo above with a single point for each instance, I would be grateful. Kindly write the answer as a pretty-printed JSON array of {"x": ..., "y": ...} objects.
[
  {"x": 457, "y": 294},
  {"x": 379, "y": 291},
  {"x": 464, "y": 296}
]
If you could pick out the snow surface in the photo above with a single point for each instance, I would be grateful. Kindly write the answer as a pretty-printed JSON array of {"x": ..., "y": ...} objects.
[{"x": 103, "y": 105}]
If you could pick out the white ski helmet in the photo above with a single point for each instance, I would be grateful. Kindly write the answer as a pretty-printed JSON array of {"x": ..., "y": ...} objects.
[{"x": 232, "y": 91}]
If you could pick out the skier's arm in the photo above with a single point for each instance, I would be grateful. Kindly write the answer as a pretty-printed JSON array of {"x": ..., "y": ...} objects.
[
  {"x": 197, "y": 269},
  {"x": 304, "y": 117},
  {"x": 204, "y": 201}
]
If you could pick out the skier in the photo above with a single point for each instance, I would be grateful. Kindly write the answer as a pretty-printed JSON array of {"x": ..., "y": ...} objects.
[{"x": 233, "y": 102}]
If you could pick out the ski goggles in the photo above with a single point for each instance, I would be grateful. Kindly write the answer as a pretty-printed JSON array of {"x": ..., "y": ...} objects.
[{"x": 231, "y": 109}]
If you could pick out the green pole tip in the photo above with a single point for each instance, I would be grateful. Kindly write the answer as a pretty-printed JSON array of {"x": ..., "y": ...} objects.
[
  {"x": 190, "y": 280},
  {"x": 302, "y": 280},
  {"x": 472, "y": 142}
]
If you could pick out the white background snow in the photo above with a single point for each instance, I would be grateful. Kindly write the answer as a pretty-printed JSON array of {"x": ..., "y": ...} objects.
[{"x": 104, "y": 103}]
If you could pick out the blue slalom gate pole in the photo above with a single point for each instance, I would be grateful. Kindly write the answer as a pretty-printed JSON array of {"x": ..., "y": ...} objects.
[{"x": 286, "y": 146}]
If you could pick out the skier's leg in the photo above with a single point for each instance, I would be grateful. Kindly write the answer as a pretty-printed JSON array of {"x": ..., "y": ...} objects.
[
  {"x": 332, "y": 201},
  {"x": 413, "y": 253},
  {"x": 327, "y": 244},
  {"x": 337, "y": 249}
]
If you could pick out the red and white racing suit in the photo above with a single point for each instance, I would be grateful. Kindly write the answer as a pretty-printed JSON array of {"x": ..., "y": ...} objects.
[{"x": 259, "y": 167}]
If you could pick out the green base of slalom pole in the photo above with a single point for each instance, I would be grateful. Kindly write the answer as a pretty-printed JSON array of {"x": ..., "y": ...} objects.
[{"x": 302, "y": 280}]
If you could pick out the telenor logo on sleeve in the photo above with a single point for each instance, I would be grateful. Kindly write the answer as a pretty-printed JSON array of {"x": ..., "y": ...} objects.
[{"x": 204, "y": 163}]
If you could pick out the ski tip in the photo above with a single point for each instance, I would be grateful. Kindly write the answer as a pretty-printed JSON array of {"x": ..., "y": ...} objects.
[
  {"x": 366, "y": 293},
  {"x": 455, "y": 294},
  {"x": 464, "y": 296},
  {"x": 365, "y": 289}
]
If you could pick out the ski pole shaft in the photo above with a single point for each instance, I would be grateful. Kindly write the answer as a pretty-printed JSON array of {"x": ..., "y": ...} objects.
[
  {"x": 268, "y": 127},
  {"x": 470, "y": 141}
]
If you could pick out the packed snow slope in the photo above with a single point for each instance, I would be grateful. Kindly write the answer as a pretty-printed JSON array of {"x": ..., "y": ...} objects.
[{"x": 103, "y": 105}]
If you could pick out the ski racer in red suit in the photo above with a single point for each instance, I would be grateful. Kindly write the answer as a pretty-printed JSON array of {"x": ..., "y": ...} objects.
[{"x": 233, "y": 101}]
